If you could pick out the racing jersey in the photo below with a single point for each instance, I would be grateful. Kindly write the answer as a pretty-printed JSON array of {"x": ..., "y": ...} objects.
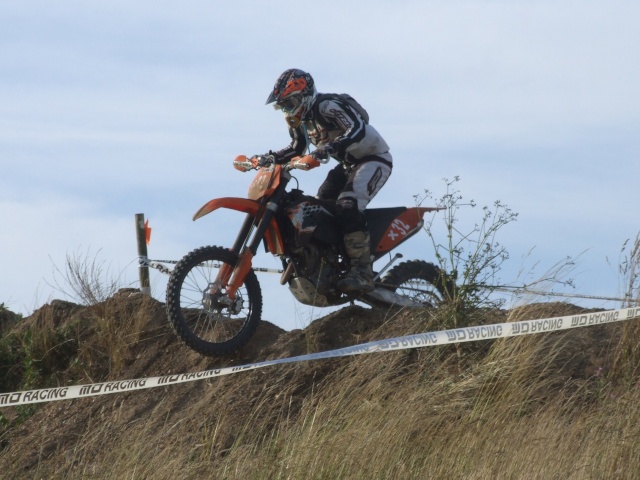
[{"x": 334, "y": 122}]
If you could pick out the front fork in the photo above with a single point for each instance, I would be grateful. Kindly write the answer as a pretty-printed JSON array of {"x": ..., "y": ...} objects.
[{"x": 233, "y": 276}]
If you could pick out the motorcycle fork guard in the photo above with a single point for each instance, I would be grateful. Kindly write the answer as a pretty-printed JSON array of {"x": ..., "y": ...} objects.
[
  {"x": 239, "y": 273},
  {"x": 231, "y": 276},
  {"x": 243, "y": 266}
]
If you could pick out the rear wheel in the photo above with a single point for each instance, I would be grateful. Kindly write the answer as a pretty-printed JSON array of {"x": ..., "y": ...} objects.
[
  {"x": 201, "y": 312},
  {"x": 419, "y": 282}
]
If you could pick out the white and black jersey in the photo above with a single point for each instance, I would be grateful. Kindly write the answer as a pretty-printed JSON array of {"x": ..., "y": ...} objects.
[{"x": 333, "y": 121}]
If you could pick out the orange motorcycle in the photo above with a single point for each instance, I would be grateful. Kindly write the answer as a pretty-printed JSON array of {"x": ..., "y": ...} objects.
[{"x": 214, "y": 300}]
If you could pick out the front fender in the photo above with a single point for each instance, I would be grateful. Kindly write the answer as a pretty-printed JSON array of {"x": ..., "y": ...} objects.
[
  {"x": 272, "y": 236},
  {"x": 241, "y": 204}
]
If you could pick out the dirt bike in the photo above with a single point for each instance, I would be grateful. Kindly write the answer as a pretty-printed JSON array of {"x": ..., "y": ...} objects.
[{"x": 214, "y": 300}]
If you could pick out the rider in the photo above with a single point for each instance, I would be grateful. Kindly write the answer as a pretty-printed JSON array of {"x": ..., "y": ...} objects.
[{"x": 338, "y": 127}]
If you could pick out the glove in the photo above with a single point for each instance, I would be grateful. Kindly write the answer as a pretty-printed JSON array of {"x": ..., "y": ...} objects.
[{"x": 323, "y": 152}]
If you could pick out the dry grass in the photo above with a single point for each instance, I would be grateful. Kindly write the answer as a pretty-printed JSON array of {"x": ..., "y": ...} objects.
[
  {"x": 563, "y": 405},
  {"x": 510, "y": 417}
]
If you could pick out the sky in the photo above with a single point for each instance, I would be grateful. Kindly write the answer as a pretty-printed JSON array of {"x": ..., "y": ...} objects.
[{"x": 109, "y": 109}]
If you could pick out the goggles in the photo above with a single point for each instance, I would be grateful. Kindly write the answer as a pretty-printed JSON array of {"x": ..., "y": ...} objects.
[{"x": 288, "y": 105}]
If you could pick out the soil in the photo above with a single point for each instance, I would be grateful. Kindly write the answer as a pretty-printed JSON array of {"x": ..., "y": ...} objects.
[{"x": 53, "y": 433}]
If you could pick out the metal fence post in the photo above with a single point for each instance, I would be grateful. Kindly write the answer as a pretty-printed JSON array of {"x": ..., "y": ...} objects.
[{"x": 143, "y": 260}]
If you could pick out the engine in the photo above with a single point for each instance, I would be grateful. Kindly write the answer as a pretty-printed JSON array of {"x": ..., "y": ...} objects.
[
  {"x": 318, "y": 270},
  {"x": 314, "y": 242}
]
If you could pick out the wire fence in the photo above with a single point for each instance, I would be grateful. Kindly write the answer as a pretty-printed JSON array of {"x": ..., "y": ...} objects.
[{"x": 143, "y": 233}]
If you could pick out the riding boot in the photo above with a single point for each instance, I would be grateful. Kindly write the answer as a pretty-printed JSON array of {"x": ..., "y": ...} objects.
[{"x": 360, "y": 276}]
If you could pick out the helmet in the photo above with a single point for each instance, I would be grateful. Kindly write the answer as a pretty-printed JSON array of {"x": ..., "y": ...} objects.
[{"x": 293, "y": 93}]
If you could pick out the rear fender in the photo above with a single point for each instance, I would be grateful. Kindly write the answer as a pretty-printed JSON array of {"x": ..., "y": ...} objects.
[
  {"x": 272, "y": 236},
  {"x": 405, "y": 225}
]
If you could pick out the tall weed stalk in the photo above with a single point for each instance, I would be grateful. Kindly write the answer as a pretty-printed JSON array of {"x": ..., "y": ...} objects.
[{"x": 472, "y": 256}]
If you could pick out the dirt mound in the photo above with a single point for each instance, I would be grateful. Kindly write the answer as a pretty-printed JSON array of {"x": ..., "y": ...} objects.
[
  {"x": 147, "y": 348},
  {"x": 128, "y": 337}
]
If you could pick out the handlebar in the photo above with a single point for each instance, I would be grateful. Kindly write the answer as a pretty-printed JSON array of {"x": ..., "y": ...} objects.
[
  {"x": 306, "y": 162},
  {"x": 244, "y": 164}
]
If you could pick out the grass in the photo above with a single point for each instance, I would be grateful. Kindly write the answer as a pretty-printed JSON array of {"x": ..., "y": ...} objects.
[
  {"x": 561, "y": 405},
  {"x": 522, "y": 408},
  {"x": 514, "y": 415}
]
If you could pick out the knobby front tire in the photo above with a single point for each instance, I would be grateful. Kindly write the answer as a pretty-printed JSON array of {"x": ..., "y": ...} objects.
[{"x": 202, "y": 315}]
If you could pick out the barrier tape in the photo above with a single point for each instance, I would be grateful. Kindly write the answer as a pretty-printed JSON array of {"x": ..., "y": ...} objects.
[{"x": 428, "y": 339}]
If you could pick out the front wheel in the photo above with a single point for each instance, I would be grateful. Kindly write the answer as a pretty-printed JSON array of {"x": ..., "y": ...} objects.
[
  {"x": 419, "y": 282},
  {"x": 200, "y": 311}
]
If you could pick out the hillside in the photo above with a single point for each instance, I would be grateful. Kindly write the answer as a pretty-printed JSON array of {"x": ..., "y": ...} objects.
[{"x": 561, "y": 405}]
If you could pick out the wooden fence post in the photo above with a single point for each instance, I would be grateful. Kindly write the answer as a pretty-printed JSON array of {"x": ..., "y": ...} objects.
[{"x": 143, "y": 260}]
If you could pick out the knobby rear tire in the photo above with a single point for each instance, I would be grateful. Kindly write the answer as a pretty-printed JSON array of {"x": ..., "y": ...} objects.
[
  {"x": 211, "y": 328},
  {"x": 420, "y": 281}
]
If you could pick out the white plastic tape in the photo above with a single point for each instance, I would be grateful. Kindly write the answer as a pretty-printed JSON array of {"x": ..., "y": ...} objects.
[{"x": 429, "y": 339}]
